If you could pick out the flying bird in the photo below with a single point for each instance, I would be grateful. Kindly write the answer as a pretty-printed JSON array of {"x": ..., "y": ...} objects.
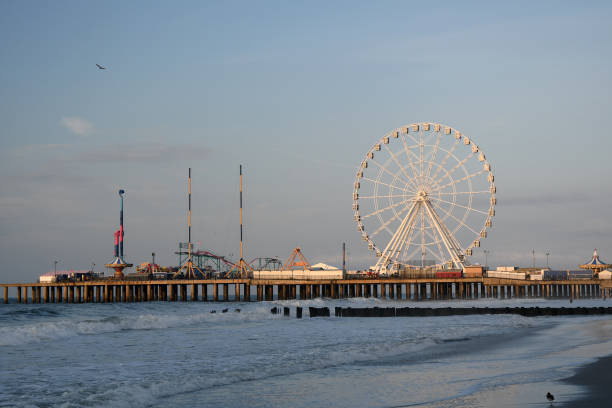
[
  {"x": 550, "y": 397},
  {"x": 100, "y": 66}
]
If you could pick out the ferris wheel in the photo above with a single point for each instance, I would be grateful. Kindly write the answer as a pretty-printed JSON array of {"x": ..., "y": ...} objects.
[{"x": 424, "y": 196}]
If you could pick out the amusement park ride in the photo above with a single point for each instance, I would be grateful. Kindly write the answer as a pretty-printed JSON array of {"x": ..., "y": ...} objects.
[
  {"x": 242, "y": 269},
  {"x": 428, "y": 203},
  {"x": 188, "y": 269},
  {"x": 119, "y": 263}
]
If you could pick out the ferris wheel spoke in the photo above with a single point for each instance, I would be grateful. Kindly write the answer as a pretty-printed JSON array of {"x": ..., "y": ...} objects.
[
  {"x": 410, "y": 153},
  {"x": 381, "y": 196},
  {"x": 387, "y": 184},
  {"x": 385, "y": 208},
  {"x": 421, "y": 154},
  {"x": 457, "y": 166},
  {"x": 434, "y": 153},
  {"x": 464, "y": 192},
  {"x": 469, "y": 176},
  {"x": 386, "y": 224},
  {"x": 401, "y": 167},
  {"x": 458, "y": 205},
  {"x": 387, "y": 171},
  {"x": 449, "y": 154},
  {"x": 460, "y": 222}
]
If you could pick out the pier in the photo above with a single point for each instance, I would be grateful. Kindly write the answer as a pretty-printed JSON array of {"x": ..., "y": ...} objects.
[{"x": 246, "y": 290}]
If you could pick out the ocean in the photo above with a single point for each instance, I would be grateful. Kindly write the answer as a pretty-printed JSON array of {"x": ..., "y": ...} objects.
[{"x": 179, "y": 354}]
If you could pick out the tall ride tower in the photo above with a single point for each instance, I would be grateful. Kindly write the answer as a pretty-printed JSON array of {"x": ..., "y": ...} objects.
[
  {"x": 119, "y": 263},
  {"x": 189, "y": 269},
  {"x": 241, "y": 269}
]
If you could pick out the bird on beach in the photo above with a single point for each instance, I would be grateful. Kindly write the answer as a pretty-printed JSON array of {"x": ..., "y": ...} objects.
[
  {"x": 100, "y": 66},
  {"x": 550, "y": 397}
]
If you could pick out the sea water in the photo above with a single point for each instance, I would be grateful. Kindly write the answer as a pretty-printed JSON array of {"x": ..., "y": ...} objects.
[{"x": 179, "y": 354}]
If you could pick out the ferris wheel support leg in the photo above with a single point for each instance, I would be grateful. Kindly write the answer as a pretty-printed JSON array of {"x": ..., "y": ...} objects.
[
  {"x": 407, "y": 235},
  {"x": 449, "y": 243},
  {"x": 392, "y": 252},
  {"x": 386, "y": 254}
]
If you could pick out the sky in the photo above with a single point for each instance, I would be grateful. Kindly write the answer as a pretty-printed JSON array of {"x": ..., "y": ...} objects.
[{"x": 296, "y": 92}]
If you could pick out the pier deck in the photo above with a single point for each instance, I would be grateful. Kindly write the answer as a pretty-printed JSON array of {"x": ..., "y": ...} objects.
[{"x": 108, "y": 291}]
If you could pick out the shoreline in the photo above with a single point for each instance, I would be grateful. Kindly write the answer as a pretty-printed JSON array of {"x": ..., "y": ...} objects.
[{"x": 594, "y": 377}]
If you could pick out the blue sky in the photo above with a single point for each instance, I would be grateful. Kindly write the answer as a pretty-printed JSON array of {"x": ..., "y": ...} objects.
[{"x": 297, "y": 92}]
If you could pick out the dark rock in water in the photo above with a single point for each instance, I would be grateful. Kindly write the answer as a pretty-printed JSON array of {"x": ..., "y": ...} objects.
[
  {"x": 298, "y": 312},
  {"x": 224, "y": 311},
  {"x": 274, "y": 310},
  {"x": 319, "y": 311},
  {"x": 286, "y": 311},
  {"x": 213, "y": 311},
  {"x": 237, "y": 310}
]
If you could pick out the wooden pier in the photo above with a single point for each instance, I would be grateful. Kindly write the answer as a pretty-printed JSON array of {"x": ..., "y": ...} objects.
[{"x": 245, "y": 290}]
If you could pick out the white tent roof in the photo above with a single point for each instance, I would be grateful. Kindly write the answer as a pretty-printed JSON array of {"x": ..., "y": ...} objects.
[{"x": 323, "y": 266}]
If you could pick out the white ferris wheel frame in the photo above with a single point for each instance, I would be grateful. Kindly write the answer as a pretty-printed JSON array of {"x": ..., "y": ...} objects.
[{"x": 417, "y": 203}]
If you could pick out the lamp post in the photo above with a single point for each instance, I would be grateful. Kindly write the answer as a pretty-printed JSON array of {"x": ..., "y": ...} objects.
[
  {"x": 533, "y": 254},
  {"x": 547, "y": 263},
  {"x": 486, "y": 252},
  {"x": 55, "y": 267}
]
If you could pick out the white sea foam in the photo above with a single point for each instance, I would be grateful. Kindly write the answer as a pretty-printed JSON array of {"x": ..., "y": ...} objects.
[{"x": 64, "y": 328}]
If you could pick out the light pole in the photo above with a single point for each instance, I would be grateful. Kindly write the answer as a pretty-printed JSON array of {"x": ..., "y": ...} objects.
[
  {"x": 55, "y": 267},
  {"x": 486, "y": 252},
  {"x": 533, "y": 254},
  {"x": 547, "y": 263}
]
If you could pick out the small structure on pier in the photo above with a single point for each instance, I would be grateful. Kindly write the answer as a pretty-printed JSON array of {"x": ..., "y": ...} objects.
[
  {"x": 292, "y": 263},
  {"x": 595, "y": 264},
  {"x": 119, "y": 264}
]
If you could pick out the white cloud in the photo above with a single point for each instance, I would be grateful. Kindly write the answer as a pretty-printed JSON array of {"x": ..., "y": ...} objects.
[{"x": 78, "y": 126}]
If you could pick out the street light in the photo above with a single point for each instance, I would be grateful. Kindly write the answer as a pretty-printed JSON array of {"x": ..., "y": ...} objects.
[
  {"x": 533, "y": 253},
  {"x": 547, "y": 264},
  {"x": 486, "y": 252},
  {"x": 55, "y": 267}
]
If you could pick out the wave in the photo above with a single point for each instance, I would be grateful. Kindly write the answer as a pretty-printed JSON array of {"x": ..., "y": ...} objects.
[
  {"x": 19, "y": 334},
  {"x": 155, "y": 393}
]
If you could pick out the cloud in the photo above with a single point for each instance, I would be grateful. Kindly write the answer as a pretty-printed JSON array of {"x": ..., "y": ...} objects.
[{"x": 78, "y": 126}]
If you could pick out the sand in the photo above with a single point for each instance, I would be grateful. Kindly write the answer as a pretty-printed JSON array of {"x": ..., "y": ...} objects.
[{"x": 595, "y": 378}]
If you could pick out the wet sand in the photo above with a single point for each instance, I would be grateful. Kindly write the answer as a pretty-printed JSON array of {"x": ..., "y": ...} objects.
[{"x": 595, "y": 378}]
